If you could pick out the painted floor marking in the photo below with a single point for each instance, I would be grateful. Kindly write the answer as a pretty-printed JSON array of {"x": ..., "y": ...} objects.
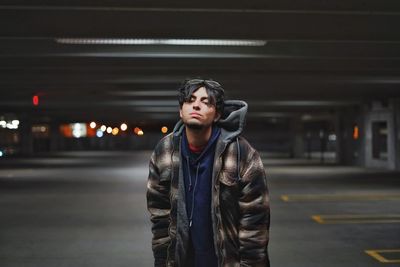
[
  {"x": 385, "y": 255},
  {"x": 339, "y": 197},
  {"x": 356, "y": 218}
]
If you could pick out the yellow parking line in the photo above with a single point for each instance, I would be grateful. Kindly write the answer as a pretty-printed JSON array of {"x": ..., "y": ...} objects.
[
  {"x": 318, "y": 219},
  {"x": 377, "y": 254},
  {"x": 339, "y": 197},
  {"x": 285, "y": 198},
  {"x": 356, "y": 218}
]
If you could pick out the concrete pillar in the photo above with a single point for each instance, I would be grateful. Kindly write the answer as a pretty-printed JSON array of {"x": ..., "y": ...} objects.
[
  {"x": 396, "y": 128},
  {"x": 54, "y": 136},
  {"x": 25, "y": 129},
  {"x": 378, "y": 113},
  {"x": 339, "y": 132},
  {"x": 297, "y": 150}
]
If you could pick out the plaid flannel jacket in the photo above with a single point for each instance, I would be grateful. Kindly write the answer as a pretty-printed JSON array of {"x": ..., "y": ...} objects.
[{"x": 240, "y": 202}]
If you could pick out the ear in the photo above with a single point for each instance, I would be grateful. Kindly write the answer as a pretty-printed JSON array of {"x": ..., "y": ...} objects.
[{"x": 180, "y": 113}]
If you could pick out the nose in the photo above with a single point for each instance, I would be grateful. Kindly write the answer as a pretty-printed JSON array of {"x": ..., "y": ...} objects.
[{"x": 196, "y": 105}]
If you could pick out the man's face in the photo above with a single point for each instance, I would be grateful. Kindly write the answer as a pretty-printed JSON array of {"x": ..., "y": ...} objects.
[{"x": 198, "y": 113}]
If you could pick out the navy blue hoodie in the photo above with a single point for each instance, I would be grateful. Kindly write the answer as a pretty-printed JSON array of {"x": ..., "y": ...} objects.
[{"x": 197, "y": 173}]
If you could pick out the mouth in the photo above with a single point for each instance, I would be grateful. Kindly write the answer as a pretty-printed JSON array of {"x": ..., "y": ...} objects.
[{"x": 194, "y": 114}]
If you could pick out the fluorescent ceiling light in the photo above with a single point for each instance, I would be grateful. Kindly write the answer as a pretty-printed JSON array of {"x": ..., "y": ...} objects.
[{"x": 205, "y": 42}]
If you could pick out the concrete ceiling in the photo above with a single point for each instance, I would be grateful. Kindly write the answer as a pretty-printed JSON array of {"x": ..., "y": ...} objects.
[{"x": 319, "y": 55}]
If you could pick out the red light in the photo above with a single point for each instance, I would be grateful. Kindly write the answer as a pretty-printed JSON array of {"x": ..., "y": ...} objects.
[{"x": 35, "y": 100}]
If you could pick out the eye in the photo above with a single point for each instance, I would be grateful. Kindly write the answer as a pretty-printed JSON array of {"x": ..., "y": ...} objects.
[{"x": 204, "y": 100}]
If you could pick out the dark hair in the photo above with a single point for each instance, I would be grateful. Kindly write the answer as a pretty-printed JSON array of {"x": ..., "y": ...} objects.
[{"x": 214, "y": 90}]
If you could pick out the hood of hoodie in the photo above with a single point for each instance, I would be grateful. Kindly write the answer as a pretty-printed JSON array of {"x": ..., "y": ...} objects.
[{"x": 232, "y": 122}]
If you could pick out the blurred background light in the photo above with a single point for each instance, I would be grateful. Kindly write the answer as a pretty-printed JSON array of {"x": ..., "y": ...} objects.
[
  {"x": 115, "y": 131},
  {"x": 124, "y": 127},
  {"x": 99, "y": 133},
  {"x": 78, "y": 130},
  {"x": 35, "y": 100},
  {"x": 355, "y": 132}
]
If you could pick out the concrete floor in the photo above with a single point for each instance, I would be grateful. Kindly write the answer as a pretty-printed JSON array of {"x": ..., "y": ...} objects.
[{"x": 88, "y": 209}]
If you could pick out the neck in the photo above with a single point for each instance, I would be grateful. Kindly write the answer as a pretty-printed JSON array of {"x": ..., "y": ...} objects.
[{"x": 198, "y": 138}]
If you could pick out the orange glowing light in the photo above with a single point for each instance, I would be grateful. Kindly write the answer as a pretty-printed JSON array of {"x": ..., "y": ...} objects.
[
  {"x": 90, "y": 131},
  {"x": 164, "y": 129},
  {"x": 66, "y": 130},
  {"x": 355, "y": 132},
  {"x": 115, "y": 131}
]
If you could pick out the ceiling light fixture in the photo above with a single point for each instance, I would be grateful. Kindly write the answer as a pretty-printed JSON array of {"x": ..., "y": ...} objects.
[{"x": 203, "y": 42}]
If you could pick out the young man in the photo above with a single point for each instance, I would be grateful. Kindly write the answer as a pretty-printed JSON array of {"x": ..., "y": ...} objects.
[{"x": 207, "y": 191}]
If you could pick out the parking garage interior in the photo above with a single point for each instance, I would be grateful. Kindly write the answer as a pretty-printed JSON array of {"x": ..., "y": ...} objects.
[{"x": 88, "y": 88}]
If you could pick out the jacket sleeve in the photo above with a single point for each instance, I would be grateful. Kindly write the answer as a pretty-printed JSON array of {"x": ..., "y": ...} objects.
[
  {"x": 158, "y": 204},
  {"x": 255, "y": 214}
]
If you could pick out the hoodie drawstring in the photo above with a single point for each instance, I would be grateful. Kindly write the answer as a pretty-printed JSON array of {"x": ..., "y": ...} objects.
[
  {"x": 190, "y": 178},
  {"x": 192, "y": 188}
]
